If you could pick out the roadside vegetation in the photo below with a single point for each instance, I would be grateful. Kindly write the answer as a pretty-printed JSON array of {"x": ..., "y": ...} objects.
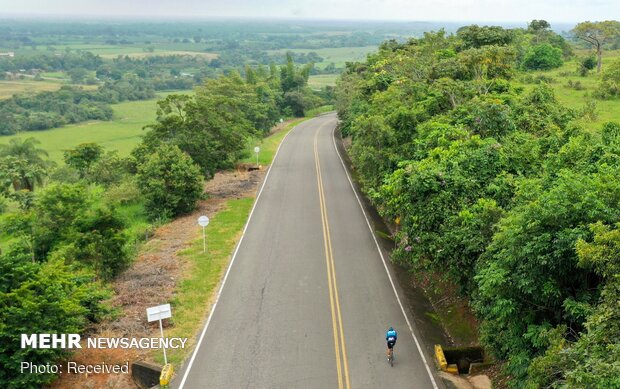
[
  {"x": 69, "y": 229},
  {"x": 505, "y": 185}
]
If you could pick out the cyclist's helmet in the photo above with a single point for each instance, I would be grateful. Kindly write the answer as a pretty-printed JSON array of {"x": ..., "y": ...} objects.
[{"x": 391, "y": 329}]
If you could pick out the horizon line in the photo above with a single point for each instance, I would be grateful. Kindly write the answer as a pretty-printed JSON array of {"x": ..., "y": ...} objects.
[{"x": 175, "y": 18}]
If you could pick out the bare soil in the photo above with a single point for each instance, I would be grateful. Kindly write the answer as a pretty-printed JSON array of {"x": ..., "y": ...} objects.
[
  {"x": 480, "y": 381},
  {"x": 151, "y": 280}
]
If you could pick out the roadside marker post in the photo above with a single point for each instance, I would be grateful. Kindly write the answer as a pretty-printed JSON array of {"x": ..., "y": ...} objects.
[
  {"x": 159, "y": 312},
  {"x": 203, "y": 221},
  {"x": 257, "y": 150}
]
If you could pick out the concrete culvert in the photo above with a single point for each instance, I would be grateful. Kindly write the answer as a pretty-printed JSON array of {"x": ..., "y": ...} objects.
[{"x": 464, "y": 357}]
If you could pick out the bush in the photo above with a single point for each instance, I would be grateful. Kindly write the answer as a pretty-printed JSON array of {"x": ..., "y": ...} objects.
[
  {"x": 589, "y": 111},
  {"x": 48, "y": 297},
  {"x": 609, "y": 86},
  {"x": 98, "y": 241},
  {"x": 539, "y": 79},
  {"x": 123, "y": 192},
  {"x": 108, "y": 170},
  {"x": 575, "y": 85},
  {"x": 3, "y": 204},
  {"x": 83, "y": 156},
  {"x": 585, "y": 65},
  {"x": 542, "y": 57},
  {"x": 170, "y": 181}
]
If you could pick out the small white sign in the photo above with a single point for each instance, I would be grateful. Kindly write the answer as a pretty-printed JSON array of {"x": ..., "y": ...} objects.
[
  {"x": 256, "y": 149},
  {"x": 203, "y": 221},
  {"x": 158, "y": 313}
]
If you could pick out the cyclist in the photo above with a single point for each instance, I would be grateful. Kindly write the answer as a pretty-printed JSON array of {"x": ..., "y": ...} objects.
[{"x": 390, "y": 337}]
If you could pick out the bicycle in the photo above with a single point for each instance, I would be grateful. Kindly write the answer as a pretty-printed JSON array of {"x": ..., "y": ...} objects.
[{"x": 390, "y": 357}]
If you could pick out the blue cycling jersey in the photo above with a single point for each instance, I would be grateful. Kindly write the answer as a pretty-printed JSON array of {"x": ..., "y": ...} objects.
[{"x": 391, "y": 334}]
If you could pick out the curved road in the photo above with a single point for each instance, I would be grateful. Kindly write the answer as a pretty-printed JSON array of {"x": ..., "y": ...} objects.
[{"x": 307, "y": 299}]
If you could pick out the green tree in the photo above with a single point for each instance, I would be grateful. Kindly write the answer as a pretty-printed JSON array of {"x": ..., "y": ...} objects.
[
  {"x": 586, "y": 64},
  {"x": 213, "y": 126},
  {"x": 590, "y": 361},
  {"x": 77, "y": 75},
  {"x": 543, "y": 57},
  {"x": 597, "y": 35},
  {"x": 109, "y": 169},
  {"x": 529, "y": 281},
  {"x": 373, "y": 150},
  {"x": 96, "y": 240},
  {"x": 536, "y": 26},
  {"x": 83, "y": 156},
  {"x": 56, "y": 208},
  {"x": 475, "y": 36},
  {"x": 170, "y": 182},
  {"x": 50, "y": 297},
  {"x": 25, "y": 166}
]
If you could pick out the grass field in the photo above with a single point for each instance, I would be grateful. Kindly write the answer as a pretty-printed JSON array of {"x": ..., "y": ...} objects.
[
  {"x": 10, "y": 87},
  {"x": 319, "y": 110},
  {"x": 319, "y": 81},
  {"x": 156, "y": 52},
  {"x": 338, "y": 55},
  {"x": 607, "y": 110},
  {"x": 56, "y": 75},
  {"x": 122, "y": 133},
  {"x": 113, "y": 51}
]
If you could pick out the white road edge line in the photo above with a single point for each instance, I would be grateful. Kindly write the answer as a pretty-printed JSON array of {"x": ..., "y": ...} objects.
[
  {"x": 417, "y": 343},
  {"x": 217, "y": 298}
]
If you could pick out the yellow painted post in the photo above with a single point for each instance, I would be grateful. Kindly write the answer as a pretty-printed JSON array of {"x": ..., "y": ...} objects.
[
  {"x": 166, "y": 375},
  {"x": 443, "y": 363},
  {"x": 441, "y": 358}
]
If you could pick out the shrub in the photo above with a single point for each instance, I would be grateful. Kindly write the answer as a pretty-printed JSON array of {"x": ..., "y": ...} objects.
[
  {"x": 123, "y": 192},
  {"x": 542, "y": 57},
  {"x": 585, "y": 65},
  {"x": 609, "y": 86},
  {"x": 170, "y": 182},
  {"x": 574, "y": 85},
  {"x": 589, "y": 111},
  {"x": 96, "y": 240},
  {"x": 3, "y": 204},
  {"x": 83, "y": 156},
  {"x": 48, "y": 297}
]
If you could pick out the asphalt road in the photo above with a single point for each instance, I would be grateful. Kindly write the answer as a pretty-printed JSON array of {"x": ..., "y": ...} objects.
[{"x": 307, "y": 299}]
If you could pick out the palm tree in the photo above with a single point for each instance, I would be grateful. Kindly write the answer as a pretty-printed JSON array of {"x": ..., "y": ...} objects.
[
  {"x": 26, "y": 149},
  {"x": 24, "y": 163}
]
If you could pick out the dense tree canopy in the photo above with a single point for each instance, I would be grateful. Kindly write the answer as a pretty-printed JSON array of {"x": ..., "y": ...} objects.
[{"x": 498, "y": 190}]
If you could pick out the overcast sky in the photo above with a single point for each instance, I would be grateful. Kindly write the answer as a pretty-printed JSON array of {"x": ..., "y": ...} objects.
[{"x": 433, "y": 10}]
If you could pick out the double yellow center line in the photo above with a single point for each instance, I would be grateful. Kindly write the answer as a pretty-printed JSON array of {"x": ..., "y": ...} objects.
[{"x": 339, "y": 344}]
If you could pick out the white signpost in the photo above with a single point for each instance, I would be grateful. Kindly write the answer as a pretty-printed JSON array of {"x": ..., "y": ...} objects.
[
  {"x": 257, "y": 150},
  {"x": 159, "y": 312},
  {"x": 203, "y": 221}
]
